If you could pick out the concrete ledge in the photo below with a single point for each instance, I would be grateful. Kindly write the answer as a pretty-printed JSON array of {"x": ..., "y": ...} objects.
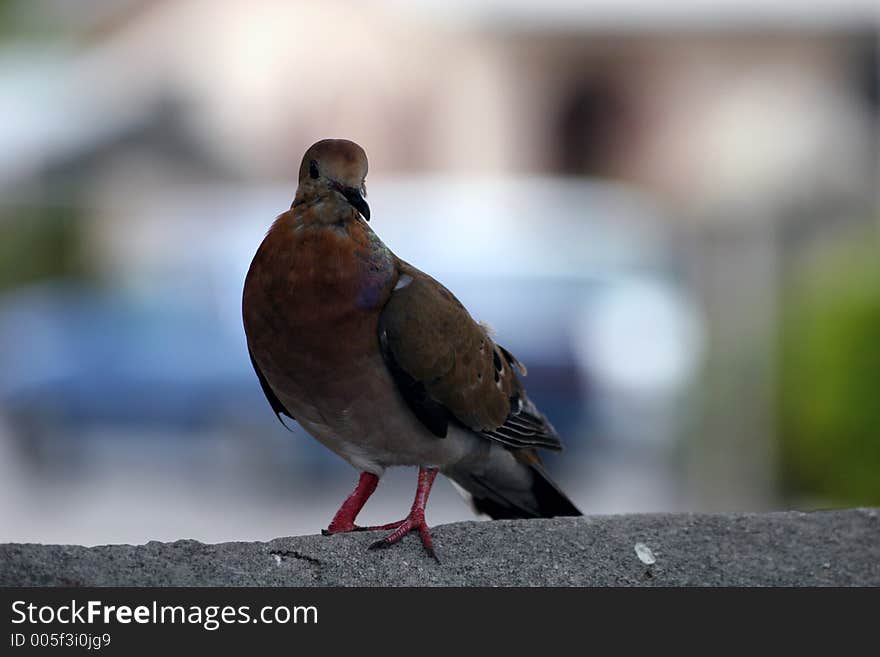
[{"x": 835, "y": 548}]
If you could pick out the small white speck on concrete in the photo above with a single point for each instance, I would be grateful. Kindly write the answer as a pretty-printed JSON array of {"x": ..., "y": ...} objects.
[
  {"x": 277, "y": 559},
  {"x": 643, "y": 552}
]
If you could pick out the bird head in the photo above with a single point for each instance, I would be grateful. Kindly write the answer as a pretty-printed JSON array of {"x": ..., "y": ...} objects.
[{"x": 337, "y": 165}]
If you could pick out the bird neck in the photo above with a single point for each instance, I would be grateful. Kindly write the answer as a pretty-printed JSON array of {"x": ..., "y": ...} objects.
[
  {"x": 322, "y": 205},
  {"x": 344, "y": 260}
]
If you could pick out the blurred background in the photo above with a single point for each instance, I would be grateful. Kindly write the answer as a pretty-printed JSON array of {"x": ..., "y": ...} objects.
[{"x": 668, "y": 211}]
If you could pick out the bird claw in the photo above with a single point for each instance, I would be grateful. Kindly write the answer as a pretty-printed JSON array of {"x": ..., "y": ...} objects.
[
  {"x": 343, "y": 521},
  {"x": 379, "y": 528},
  {"x": 345, "y": 529},
  {"x": 404, "y": 527}
]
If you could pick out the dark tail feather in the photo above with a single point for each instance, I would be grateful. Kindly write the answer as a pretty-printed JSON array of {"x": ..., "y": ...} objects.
[{"x": 519, "y": 489}]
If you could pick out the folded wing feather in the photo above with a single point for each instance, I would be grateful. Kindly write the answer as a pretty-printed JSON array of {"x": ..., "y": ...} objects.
[{"x": 449, "y": 369}]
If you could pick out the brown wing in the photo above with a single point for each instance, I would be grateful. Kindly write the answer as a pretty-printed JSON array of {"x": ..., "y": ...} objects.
[{"x": 448, "y": 368}]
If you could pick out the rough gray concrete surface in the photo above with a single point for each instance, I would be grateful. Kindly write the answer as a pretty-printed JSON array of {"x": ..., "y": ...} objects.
[{"x": 836, "y": 548}]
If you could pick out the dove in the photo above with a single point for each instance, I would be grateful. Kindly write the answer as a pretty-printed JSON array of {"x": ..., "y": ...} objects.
[{"x": 383, "y": 365}]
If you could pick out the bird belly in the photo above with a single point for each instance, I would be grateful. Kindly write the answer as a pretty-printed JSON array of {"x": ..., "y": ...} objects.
[{"x": 373, "y": 428}]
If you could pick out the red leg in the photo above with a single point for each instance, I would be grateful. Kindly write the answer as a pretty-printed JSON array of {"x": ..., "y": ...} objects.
[
  {"x": 416, "y": 518},
  {"x": 344, "y": 519}
]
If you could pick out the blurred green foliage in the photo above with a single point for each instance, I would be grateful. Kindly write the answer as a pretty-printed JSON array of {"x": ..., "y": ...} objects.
[
  {"x": 830, "y": 378},
  {"x": 27, "y": 20},
  {"x": 9, "y": 20},
  {"x": 38, "y": 243}
]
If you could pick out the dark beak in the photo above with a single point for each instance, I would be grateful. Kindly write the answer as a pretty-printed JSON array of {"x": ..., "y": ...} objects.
[{"x": 353, "y": 196}]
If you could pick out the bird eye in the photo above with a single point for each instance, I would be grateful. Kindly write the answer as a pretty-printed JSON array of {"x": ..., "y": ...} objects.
[{"x": 313, "y": 170}]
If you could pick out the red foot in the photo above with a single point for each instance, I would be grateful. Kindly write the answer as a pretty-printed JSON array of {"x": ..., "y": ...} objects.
[
  {"x": 379, "y": 528},
  {"x": 413, "y": 522},
  {"x": 343, "y": 521},
  {"x": 416, "y": 518}
]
